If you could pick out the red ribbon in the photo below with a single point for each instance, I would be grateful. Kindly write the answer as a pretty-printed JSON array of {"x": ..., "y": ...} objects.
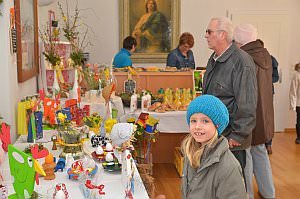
[{"x": 89, "y": 185}]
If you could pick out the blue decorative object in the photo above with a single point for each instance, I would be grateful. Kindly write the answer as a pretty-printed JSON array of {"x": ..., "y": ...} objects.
[
  {"x": 60, "y": 165},
  {"x": 149, "y": 128},
  {"x": 67, "y": 112},
  {"x": 39, "y": 124}
]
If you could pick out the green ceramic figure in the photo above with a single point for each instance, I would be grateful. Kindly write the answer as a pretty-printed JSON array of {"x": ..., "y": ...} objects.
[{"x": 23, "y": 168}]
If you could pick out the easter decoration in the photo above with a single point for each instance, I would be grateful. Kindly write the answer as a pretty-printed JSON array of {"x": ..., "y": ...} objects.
[
  {"x": 23, "y": 168},
  {"x": 145, "y": 133},
  {"x": 49, "y": 166},
  {"x": 60, "y": 191},
  {"x": 98, "y": 155},
  {"x": 80, "y": 167}
]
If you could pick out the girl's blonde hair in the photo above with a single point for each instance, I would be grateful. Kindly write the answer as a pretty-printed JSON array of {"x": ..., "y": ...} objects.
[{"x": 193, "y": 150}]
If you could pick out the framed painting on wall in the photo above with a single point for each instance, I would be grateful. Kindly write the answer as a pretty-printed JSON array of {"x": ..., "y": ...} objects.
[
  {"x": 27, "y": 39},
  {"x": 155, "y": 26}
]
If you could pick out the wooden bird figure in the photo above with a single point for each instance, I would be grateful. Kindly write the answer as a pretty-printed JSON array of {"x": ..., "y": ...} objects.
[{"x": 23, "y": 168}]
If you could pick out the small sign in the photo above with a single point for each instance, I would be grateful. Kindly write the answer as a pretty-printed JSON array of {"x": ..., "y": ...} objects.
[
  {"x": 130, "y": 86},
  {"x": 198, "y": 80},
  {"x": 14, "y": 40}
]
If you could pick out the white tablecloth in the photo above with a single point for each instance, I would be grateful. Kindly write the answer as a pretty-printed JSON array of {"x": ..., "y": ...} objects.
[
  {"x": 169, "y": 122},
  {"x": 114, "y": 188}
]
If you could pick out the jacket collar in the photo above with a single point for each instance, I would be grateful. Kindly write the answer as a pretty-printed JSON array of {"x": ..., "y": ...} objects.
[
  {"x": 227, "y": 53},
  {"x": 213, "y": 153}
]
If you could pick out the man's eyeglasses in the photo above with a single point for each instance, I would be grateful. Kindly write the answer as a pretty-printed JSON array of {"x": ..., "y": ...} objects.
[{"x": 209, "y": 31}]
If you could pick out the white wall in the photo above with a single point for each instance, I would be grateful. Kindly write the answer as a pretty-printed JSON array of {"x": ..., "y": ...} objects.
[
  {"x": 11, "y": 91},
  {"x": 103, "y": 17}
]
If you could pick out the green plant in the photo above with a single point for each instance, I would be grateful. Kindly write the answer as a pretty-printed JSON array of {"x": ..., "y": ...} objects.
[
  {"x": 71, "y": 26},
  {"x": 77, "y": 57},
  {"x": 93, "y": 121},
  {"x": 50, "y": 39}
]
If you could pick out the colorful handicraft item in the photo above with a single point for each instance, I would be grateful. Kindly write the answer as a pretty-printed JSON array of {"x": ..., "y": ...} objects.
[
  {"x": 144, "y": 134},
  {"x": 23, "y": 168},
  {"x": 5, "y": 136}
]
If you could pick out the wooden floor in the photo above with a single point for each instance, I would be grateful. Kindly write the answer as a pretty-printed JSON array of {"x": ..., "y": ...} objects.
[{"x": 285, "y": 162}]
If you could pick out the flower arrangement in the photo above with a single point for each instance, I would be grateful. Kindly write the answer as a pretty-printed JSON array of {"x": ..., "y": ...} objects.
[
  {"x": 93, "y": 121},
  {"x": 63, "y": 122},
  {"x": 93, "y": 76},
  {"x": 49, "y": 39},
  {"x": 71, "y": 135},
  {"x": 71, "y": 25}
]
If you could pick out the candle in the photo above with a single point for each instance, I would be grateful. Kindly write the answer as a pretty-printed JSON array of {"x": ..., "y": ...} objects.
[{"x": 110, "y": 67}]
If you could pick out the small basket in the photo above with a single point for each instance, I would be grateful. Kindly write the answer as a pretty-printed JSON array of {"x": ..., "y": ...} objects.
[{"x": 178, "y": 161}]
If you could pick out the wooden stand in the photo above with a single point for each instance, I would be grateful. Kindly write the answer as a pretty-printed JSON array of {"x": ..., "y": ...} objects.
[
  {"x": 163, "y": 149},
  {"x": 153, "y": 81}
]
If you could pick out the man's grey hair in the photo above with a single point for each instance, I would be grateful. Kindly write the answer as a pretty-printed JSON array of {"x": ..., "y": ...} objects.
[
  {"x": 244, "y": 33},
  {"x": 226, "y": 25}
]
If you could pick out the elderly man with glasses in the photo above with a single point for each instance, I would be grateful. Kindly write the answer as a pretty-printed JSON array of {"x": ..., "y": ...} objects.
[{"x": 230, "y": 75}]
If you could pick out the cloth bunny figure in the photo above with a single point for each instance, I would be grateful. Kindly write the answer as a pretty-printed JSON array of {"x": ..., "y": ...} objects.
[{"x": 120, "y": 133}]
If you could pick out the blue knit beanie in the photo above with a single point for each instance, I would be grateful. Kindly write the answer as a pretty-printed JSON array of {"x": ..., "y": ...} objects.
[{"x": 212, "y": 107}]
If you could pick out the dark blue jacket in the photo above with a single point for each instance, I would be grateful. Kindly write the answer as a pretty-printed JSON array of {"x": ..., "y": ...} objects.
[{"x": 178, "y": 60}]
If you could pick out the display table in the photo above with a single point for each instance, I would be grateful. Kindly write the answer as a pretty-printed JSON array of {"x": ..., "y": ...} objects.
[
  {"x": 173, "y": 128},
  {"x": 153, "y": 81},
  {"x": 99, "y": 107},
  {"x": 114, "y": 188}
]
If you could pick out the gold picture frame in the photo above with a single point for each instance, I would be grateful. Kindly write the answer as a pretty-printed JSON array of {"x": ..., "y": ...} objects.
[{"x": 154, "y": 43}]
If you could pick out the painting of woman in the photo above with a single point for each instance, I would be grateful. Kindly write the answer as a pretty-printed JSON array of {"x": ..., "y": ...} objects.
[{"x": 152, "y": 30}]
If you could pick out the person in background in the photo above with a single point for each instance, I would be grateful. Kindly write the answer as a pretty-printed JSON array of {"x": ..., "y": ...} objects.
[
  {"x": 210, "y": 169},
  {"x": 230, "y": 75},
  {"x": 151, "y": 31},
  {"x": 257, "y": 161},
  {"x": 295, "y": 99},
  {"x": 275, "y": 78},
  {"x": 182, "y": 56},
  {"x": 122, "y": 58}
]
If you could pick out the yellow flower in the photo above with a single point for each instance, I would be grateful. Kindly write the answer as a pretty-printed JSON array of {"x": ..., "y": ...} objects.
[
  {"x": 65, "y": 18},
  {"x": 109, "y": 123},
  {"x": 61, "y": 117},
  {"x": 55, "y": 32},
  {"x": 106, "y": 73}
]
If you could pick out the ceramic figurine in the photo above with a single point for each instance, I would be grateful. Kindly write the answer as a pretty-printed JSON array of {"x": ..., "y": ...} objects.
[
  {"x": 60, "y": 192},
  {"x": 48, "y": 167},
  {"x": 98, "y": 154},
  {"x": 109, "y": 157},
  {"x": 60, "y": 165},
  {"x": 120, "y": 133}
]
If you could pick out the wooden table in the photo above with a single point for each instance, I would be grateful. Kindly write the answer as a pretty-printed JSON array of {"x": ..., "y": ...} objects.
[{"x": 153, "y": 81}]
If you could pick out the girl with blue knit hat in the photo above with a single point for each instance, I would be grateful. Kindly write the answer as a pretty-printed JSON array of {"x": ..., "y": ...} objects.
[{"x": 210, "y": 169}]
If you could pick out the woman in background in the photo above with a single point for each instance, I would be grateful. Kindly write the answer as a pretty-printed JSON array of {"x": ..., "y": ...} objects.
[
  {"x": 182, "y": 56},
  {"x": 295, "y": 99}
]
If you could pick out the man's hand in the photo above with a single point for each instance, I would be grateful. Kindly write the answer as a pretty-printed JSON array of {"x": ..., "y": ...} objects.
[{"x": 232, "y": 143}]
